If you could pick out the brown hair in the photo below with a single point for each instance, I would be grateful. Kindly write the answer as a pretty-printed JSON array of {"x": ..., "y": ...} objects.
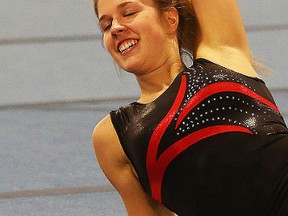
[{"x": 187, "y": 22}]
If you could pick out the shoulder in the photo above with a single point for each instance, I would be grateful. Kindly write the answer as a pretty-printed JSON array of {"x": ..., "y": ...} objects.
[
  {"x": 101, "y": 132},
  {"x": 108, "y": 150},
  {"x": 108, "y": 133}
]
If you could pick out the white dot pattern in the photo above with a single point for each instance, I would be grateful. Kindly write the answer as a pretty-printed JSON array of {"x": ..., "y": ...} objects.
[{"x": 221, "y": 108}]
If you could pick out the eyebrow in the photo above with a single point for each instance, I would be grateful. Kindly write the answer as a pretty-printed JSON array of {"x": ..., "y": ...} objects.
[{"x": 118, "y": 7}]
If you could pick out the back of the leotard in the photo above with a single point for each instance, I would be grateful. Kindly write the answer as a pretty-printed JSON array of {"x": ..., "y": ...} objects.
[{"x": 213, "y": 144}]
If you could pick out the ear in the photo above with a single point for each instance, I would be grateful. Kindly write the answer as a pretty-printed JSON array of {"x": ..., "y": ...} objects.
[{"x": 172, "y": 20}]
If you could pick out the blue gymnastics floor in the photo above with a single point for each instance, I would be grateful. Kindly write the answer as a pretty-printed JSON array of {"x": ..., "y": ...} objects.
[{"x": 47, "y": 162}]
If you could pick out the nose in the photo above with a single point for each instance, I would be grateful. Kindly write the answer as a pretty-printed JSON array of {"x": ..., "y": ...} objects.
[{"x": 117, "y": 28}]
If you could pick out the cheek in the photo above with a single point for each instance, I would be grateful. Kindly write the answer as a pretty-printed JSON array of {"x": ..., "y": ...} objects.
[
  {"x": 156, "y": 37},
  {"x": 107, "y": 41},
  {"x": 155, "y": 30}
]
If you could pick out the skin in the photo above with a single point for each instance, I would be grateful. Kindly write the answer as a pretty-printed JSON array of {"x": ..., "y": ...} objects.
[
  {"x": 152, "y": 40},
  {"x": 155, "y": 61}
]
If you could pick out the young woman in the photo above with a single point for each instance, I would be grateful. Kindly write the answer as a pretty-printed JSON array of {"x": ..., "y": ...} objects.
[{"x": 207, "y": 140}]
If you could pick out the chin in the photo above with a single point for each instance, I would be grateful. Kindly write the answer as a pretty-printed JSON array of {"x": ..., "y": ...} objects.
[
  {"x": 131, "y": 68},
  {"x": 133, "y": 64}
]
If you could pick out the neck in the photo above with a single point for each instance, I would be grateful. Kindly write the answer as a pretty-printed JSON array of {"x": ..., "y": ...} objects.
[{"x": 154, "y": 83}]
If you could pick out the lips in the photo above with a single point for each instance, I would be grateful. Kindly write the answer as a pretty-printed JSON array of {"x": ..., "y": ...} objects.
[{"x": 125, "y": 45}]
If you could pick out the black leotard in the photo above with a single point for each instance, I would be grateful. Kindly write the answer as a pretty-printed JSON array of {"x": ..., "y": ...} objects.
[{"x": 213, "y": 144}]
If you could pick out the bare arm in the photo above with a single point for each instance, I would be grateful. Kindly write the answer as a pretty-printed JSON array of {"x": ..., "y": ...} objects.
[
  {"x": 118, "y": 170},
  {"x": 221, "y": 36}
]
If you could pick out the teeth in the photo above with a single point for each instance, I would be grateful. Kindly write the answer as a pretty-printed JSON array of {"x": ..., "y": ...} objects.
[{"x": 127, "y": 44}]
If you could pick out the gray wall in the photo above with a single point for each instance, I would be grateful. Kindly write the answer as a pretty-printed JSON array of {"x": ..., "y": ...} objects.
[
  {"x": 51, "y": 50},
  {"x": 267, "y": 25}
]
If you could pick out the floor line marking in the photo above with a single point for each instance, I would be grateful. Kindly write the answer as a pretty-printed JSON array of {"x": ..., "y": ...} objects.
[{"x": 56, "y": 191}]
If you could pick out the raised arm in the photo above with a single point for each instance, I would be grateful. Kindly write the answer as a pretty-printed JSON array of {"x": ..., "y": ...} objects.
[
  {"x": 221, "y": 36},
  {"x": 119, "y": 171}
]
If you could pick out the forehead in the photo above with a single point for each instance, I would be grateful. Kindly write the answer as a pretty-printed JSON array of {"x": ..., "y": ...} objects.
[{"x": 105, "y": 6}]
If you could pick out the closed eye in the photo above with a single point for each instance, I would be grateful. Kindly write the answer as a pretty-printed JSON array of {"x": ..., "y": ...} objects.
[
  {"x": 107, "y": 27},
  {"x": 129, "y": 14}
]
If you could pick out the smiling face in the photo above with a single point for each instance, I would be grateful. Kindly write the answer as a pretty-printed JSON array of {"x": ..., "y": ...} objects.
[{"x": 135, "y": 34}]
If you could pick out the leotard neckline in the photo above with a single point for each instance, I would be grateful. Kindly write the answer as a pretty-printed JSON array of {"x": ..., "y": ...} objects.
[{"x": 196, "y": 61}]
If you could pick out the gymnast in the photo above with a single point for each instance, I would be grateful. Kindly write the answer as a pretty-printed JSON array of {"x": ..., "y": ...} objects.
[{"x": 202, "y": 140}]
